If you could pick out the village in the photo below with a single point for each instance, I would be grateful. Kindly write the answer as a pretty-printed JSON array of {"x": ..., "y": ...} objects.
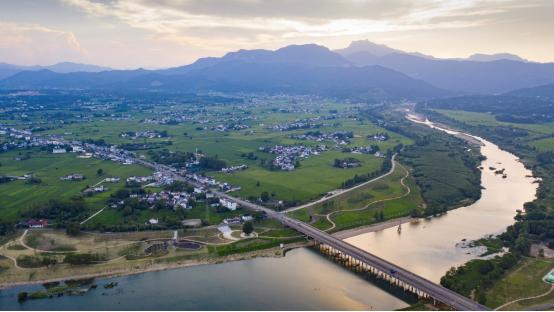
[
  {"x": 339, "y": 137},
  {"x": 288, "y": 156}
]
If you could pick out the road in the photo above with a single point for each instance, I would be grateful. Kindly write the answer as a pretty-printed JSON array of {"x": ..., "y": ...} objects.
[
  {"x": 435, "y": 291},
  {"x": 342, "y": 191}
]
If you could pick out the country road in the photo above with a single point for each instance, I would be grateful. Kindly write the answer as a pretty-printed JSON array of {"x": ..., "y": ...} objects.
[{"x": 339, "y": 192}]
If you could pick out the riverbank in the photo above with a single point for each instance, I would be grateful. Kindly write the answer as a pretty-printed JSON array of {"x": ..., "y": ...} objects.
[
  {"x": 374, "y": 227},
  {"x": 428, "y": 247},
  {"x": 149, "y": 265},
  {"x": 464, "y": 136}
]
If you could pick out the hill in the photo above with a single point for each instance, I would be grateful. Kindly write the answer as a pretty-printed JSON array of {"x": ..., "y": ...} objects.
[
  {"x": 301, "y": 69},
  {"x": 8, "y": 70},
  {"x": 480, "y": 73}
]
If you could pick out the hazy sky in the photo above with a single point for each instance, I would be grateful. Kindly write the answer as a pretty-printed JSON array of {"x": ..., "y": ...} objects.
[{"x": 161, "y": 33}]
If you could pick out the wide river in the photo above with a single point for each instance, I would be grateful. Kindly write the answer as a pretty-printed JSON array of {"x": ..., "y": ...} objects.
[{"x": 305, "y": 280}]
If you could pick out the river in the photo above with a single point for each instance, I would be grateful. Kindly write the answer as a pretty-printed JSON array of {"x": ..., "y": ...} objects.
[
  {"x": 304, "y": 279},
  {"x": 428, "y": 247}
]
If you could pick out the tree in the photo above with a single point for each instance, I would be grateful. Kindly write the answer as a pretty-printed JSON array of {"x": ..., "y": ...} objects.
[
  {"x": 248, "y": 227},
  {"x": 264, "y": 196},
  {"x": 73, "y": 228},
  {"x": 99, "y": 172}
]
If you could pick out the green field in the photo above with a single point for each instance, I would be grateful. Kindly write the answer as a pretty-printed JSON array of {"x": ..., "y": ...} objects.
[
  {"x": 316, "y": 175},
  {"x": 473, "y": 118},
  {"x": 17, "y": 196},
  {"x": 524, "y": 280},
  {"x": 386, "y": 195},
  {"x": 543, "y": 145}
]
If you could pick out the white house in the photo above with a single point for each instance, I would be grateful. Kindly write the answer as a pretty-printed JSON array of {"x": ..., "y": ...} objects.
[
  {"x": 228, "y": 204},
  {"x": 58, "y": 151}
]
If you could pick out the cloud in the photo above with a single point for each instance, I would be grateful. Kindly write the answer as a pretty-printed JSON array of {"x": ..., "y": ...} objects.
[
  {"x": 25, "y": 43},
  {"x": 215, "y": 24}
]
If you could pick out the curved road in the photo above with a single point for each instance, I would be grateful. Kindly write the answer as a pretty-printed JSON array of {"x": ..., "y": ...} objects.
[
  {"x": 342, "y": 191},
  {"x": 435, "y": 291}
]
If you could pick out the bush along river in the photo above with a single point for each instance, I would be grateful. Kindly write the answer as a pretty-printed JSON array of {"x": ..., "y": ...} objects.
[{"x": 304, "y": 279}]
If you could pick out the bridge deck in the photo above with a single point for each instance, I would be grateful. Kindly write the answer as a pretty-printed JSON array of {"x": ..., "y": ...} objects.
[{"x": 432, "y": 289}]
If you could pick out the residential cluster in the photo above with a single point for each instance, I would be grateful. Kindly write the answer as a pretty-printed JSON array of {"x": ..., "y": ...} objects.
[
  {"x": 148, "y": 134},
  {"x": 73, "y": 177},
  {"x": 234, "y": 168},
  {"x": 288, "y": 155},
  {"x": 379, "y": 137},
  {"x": 228, "y": 127},
  {"x": 339, "y": 137}
]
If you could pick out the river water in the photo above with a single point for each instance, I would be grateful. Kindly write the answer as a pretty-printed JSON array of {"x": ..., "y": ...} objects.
[
  {"x": 428, "y": 247},
  {"x": 305, "y": 280}
]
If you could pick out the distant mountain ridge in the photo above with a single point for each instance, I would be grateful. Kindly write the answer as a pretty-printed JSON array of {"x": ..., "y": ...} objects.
[
  {"x": 480, "y": 57},
  {"x": 7, "y": 70},
  {"x": 293, "y": 69},
  {"x": 503, "y": 73},
  {"x": 545, "y": 92},
  {"x": 481, "y": 73}
]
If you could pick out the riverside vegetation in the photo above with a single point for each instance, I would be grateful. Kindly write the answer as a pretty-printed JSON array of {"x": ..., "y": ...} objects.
[{"x": 527, "y": 137}]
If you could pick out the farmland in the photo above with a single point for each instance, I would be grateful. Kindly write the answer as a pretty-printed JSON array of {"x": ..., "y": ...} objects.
[{"x": 18, "y": 196}]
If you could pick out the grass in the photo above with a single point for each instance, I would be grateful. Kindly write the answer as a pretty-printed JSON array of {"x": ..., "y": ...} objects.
[
  {"x": 524, "y": 280},
  {"x": 543, "y": 145},
  {"x": 18, "y": 196},
  {"x": 474, "y": 118},
  {"x": 372, "y": 194},
  {"x": 315, "y": 176}
]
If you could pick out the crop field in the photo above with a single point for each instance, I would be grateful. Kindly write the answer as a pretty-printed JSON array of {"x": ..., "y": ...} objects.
[
  {"x": 358, "y": 207},
  {"x": 314, "y": 177},
  {"x": 18, "y": 195}
]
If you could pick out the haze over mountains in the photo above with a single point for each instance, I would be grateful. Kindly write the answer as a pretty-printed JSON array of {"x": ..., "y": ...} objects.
[
  {"x": 7, "y": 70},
  {"x": 362, "y": 69}
]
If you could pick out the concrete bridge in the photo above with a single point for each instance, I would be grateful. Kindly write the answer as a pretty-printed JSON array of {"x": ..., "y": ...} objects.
[{"x": 363, "y": 260}]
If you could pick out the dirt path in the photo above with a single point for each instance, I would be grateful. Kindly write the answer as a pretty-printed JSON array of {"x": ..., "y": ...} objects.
[
  {"x": 94, "y": 215},
  {"x": 526, "y": 298},
  {"x": 406, "y": 193}
]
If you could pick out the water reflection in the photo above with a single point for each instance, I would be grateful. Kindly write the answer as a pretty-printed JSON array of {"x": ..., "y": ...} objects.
[{"x": 428, "y": 247}]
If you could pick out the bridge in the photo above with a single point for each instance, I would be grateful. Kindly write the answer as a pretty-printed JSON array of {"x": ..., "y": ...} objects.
[{"x": 360, "y": 258}]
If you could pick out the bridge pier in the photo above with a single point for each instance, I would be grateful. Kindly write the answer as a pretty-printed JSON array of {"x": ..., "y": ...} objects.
[{"x": 396, "y": 278}]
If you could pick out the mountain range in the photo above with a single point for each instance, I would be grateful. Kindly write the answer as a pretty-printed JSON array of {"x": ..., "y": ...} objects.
[
  {"x": 362, "y": 69},
  {"x": 7, "y": 70}
]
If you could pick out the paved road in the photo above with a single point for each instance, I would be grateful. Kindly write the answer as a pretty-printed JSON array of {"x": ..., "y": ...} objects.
[
  {"x": 342, "y": 191},
  {"x": 437, "y": 292}
]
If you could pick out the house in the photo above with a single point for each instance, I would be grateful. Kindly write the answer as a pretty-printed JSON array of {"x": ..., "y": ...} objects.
[
  {"x": 228, "y": 204},
  {"x": 59, "y": 151},
  {"x": 153, "y": 221},
  {"x": 112, "y": 180},
  {"x": 73, "y": 177},
  {"x": 198, "y": 190},
  {"x": 37, "y": 224},
  {"x": 233, "y": 221},
  {"x": 247, "y": 218},
  {"x": 76, "y": 149}
]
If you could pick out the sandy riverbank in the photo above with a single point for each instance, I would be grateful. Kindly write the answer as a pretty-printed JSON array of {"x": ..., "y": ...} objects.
[
  {"x": 373, "y": 227},
  {"x": 133, "y": 267}
]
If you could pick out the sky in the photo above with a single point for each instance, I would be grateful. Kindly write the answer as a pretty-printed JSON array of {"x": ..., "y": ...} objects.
[{"x": 164, "y": 33}]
